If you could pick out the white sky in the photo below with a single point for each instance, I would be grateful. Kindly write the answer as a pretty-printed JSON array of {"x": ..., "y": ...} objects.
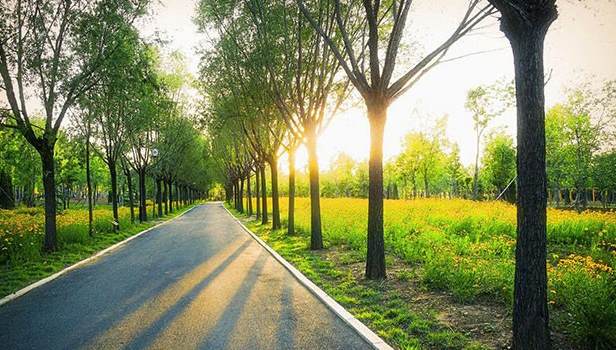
[{"x": 580, "y": 46}]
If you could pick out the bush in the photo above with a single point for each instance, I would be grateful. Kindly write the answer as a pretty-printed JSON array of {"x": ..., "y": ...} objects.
[{"x": 585, "y": 292}]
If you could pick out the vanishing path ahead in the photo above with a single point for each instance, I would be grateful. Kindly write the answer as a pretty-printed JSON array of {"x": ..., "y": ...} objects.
[{"x": 197, "y": 282}]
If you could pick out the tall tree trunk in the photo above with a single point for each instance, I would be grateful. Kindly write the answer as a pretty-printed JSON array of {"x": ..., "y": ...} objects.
[
  {"x": 257, "y": 192},
  {"x": 235, "y": 192},
  {"x": 159, "y": 196},
  {"x": 316, "y": 235},
  {"x": 113, "y": 174},
  {"x": 249, "y": 195},
  {"x": 89, "y": 184},
  {"x": 165, "y": 195},
  {"x": 264, "y": 218},
  {"x": 170, "y": 194},
  {"x": 291, "y": 214},
  {"x": 143, "y": 210},
  {"x": 241, "y": 195},
  {"x": 49, "y": 186},
  {"x": 177, "y": 195},
  {"x": 273, "y": 162},
  {"x": 131, "y": 192},
  {"x": 375, "y": 260},
  {"x": 7, "y": 198},
  {"x": 525, "y": 23}
]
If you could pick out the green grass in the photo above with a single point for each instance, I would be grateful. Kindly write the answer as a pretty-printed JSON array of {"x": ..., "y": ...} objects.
[
  {"x": 381, "y": 308},
  {"x": 465, "y": 250},
  {"x": 74, "y": 245}
]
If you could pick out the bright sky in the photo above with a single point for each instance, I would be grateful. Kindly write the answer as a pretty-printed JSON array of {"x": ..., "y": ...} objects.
[{"x": 580, "y": 46}]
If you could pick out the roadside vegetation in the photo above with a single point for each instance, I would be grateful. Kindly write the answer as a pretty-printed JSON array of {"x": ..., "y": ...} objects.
[
  {"x": 460, "y": 255},
  {"x": 22, "y": 260}
]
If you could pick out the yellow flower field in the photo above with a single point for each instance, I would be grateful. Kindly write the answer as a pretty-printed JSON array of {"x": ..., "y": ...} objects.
[{"x": 22, "y": 230}]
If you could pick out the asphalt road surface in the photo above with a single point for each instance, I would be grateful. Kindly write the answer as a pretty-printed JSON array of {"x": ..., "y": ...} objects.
[{"x": 197, "y": 282}]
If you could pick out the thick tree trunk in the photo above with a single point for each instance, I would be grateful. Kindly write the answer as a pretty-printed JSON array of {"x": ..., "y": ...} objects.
[
  {"x": 49, "y": 186},
  {"x": 525, "y": 25},
  {"x": 143, "y": 210},
  {"x": 257, "y": 192},
  {"x": 316, "y": 235},
  {"x": 275, "y": 198},
  {"x": 264, "y": 218},
  {"x": 7, "y": 198},
  {"x": 113, "y": 174},
  {"x": 291, "y": 214},
  {"x": 89, "y": 187},
  {"x": 375, "y": 260},
  {"x": 530, "y": 311}
]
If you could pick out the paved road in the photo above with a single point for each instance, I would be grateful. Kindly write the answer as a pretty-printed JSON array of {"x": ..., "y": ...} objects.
[{"x": 197, "y": 282}]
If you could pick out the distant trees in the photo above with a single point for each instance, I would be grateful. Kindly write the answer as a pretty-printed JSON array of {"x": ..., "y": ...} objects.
[
  {"x": 486, "y": 103},
  {"x": 499, "y": 166},
  {"x": 577, "y": 132}
]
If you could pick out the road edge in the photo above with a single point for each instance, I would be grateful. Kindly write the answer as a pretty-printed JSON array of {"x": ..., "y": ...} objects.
[
  {"x": 366, "y": 333},
  {"x": 50, "y": 278}
]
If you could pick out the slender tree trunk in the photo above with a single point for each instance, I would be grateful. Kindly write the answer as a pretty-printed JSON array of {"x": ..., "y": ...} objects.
[
  {"x": 165, "y": 195},
  {"x": 89, "y": 185},
  {"x": 426, "y": 184},
  {"x": 264, "y": 218},
  {"x": 49, "y": 186},
  {"x": 170, "y": 195},
  {"x": 241, "y": 195},
  {"x": 159, "y": 196},
  {"x": 257, "y": 192},
  {"x": 29, "y": 192},
  {"x": 177, "y": 195},
  {"x": 143, "y": 210},
  {"x": 476, "y": 173},
  {"x": 7, "y": 198},
  {"x": 375, "y": 261},
  {"x": 235, "y": 191},
  {"x": 316, "y": 235},
  {"x": 131, "y": 197},
  {"x": 113, "y": 174},
  {"x": 249, "y": 195},
  {"x": 525, "y": 24},
  {"x": 291, "y": 214},
  {"x": 275, "y": 198}
]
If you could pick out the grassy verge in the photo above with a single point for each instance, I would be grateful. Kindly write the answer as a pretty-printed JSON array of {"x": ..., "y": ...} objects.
[
  {"x": 383, "y": 306},
  {"x": 20, "y": 270},
  {"x": 451, "y": 263}
]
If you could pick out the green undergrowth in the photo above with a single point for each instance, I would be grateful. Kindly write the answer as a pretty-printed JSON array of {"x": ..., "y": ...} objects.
[{"x": 382, "y": 309}]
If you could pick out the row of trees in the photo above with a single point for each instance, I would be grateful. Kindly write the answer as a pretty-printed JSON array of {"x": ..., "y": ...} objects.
[
  {"x": 279, "y": 70},
  {"x": 85, "y": 61}
]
